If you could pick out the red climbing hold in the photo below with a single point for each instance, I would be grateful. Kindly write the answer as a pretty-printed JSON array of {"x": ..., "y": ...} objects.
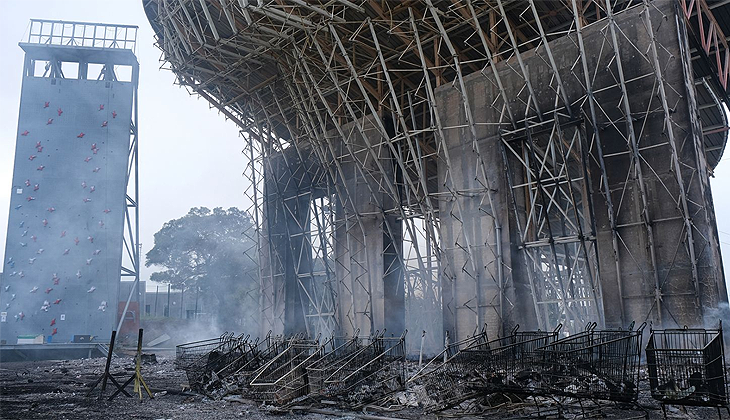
[
  {"x": 30, "y": 198},
  {"x": 25, "y": 133},
  {"x": 36, "y": 187},
  {"x": 53, "y": 322},
  {"x": 114, "y": 114},
  {"x": 46, "y": 104},
  {"x": 55, "y": 331},
  {"x": 96, "y": 150},
  {"x": 93, "y": 146},
  {"x": 88, "y": 158},
  {"x": 57, "y": 301},
  {"x": 40, "y": 149},
  {"x": 81, "y": 135},
  {"x": 107, "y": 211},
  {"x": 76, "y": 240},
  {"x": 60, "y": 111},
  {"x": 40, "y": 168},
  {"x": 31, "y": 157},
  {"x": 101, "y": 107},
  {"x": 49, "y": 290},
  {"x": 104, "y": 124},
  {"x": 63, "y": 233},
  {"x": 50, "y": 121}
]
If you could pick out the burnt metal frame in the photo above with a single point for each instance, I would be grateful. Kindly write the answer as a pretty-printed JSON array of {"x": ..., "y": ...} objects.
[{"x": 337, "y": 76}]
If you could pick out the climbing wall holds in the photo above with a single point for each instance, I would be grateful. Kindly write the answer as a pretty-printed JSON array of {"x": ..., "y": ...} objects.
[
  {"x": 30, "y": 198},
  {"x": 91, "y": 290},
  {"x": 88, "y": 158},
  {"x": 40, "y": 168},
  {"x": 96, "y": 169},
  {"x": 101, "y": 107},
  {"x": 97, "y": 252},
  {"x": 18, "y": 206},
  {"x": 102, "y": 306},
  {"x": 45, "y": 222},
  {"x": 104, "y": 124},
  {"x": 40, "y": 251},
  {"x": 78, "y": 274},
  {"x": 34, "y": 289},
  {"x": 107, "y": 211},
  {"x": 57, "y": 301},
  {"x": 27, "y": 182},
  {"x": 36, "y": 187},
  {"x": 46, "y": 104},
  {"x": 55, "y": 331},
  {"x": 25, "y": 133},
  {"x": 76, "y": 240},
  {"x": 83, "y": 184},
  {"x": 87, "y": 199},
  {"x": 51, "y": 209},
  {"x": 91, "y": 239},
  {"x": 89, "y": 260},
  {"x": 31, "y": 260},
  {"x": 33, "y": 238},
  {"x": 45, "y": 306},
  {"x": 49, "y": 290},
  {"x": 101, "y": 224},
  {"x": 92, "y": 189},
  {"x": 66, "y": 251},
  {"x": 63, "y": 233},
  {"x": 50, "y": 121},
  {"x": 60, "y": 111},
  {"x": 31, "y": 157},
  {"x": 114, "y": 114},
  {"x": 81, "y": 135},
  {"x": 53, "y": 322}
]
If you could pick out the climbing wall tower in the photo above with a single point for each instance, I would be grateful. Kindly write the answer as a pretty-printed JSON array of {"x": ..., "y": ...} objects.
[{"x": 73, "y": 208}]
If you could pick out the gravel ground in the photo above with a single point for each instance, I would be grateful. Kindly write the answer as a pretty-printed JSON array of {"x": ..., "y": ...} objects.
[{"x": 57, "y": 390}]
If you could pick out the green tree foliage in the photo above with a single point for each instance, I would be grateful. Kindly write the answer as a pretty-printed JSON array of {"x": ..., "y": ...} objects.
[{"x": 213, "y": 253}]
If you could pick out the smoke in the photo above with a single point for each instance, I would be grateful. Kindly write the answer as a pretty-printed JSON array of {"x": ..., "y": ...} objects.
[{"x": 713, "y": 316}]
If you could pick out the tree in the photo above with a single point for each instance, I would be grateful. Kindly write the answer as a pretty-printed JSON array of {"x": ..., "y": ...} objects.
[{"x": 211, "y": 253}]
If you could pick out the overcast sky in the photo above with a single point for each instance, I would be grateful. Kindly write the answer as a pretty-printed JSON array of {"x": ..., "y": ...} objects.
[{"x": 189, "y": 155}]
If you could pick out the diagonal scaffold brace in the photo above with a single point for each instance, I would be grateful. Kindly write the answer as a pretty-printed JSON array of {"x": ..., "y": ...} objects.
[{"x": 139, "y": 382}]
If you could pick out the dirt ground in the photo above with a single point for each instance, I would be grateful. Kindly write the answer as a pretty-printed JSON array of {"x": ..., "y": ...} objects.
[{"x": 57, "y": 390}]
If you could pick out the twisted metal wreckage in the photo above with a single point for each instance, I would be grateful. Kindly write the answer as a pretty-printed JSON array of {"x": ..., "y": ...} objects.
[{"x": 441, "y": 165}]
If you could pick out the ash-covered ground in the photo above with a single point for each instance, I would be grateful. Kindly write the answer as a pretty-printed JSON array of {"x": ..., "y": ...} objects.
[{"x": 57, "y": 390}]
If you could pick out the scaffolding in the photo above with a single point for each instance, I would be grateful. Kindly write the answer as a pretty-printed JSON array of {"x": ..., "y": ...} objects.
[{"x": 485, "y": 162}]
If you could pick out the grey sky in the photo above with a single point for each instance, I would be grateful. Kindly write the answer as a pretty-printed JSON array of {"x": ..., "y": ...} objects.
[{"x": 189, "y": 155}]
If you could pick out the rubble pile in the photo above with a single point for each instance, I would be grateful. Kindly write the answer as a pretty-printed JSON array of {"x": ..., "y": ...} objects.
[{"x": 536, "y": 369}]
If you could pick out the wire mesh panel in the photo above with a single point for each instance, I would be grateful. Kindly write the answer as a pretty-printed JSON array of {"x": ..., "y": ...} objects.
[
  {"x": 373, "y": 371},
  {"x": 687, "y": 367},
  {"x": 284, "y": 377},
  {"x": 202, "y": 359},
  {"x": 485, "y": 366},
  {"x": 592, "y": 364},
  {"x": 332, "y": 361}
]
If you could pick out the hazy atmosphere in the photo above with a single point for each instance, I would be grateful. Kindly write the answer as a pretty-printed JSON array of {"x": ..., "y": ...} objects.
[{"x": 189, "y": 155}]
